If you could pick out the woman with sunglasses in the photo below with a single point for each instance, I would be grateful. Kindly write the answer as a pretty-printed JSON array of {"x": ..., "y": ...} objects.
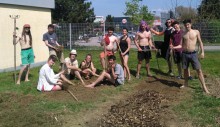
[
  {"x": 165, "y": 46},
  {"x": 27, "y": 54}
]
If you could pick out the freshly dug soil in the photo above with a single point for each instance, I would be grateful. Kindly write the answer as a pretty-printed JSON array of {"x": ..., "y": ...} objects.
[{"x": 140, "y": 110}]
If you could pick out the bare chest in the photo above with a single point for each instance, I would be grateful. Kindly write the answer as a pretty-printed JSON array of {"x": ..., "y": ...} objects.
[
  {"x": 190, "y": 36},
  {"x": 144, "y": 35}
]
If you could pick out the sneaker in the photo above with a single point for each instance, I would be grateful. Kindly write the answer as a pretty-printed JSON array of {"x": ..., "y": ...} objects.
[
  {"x": 182, "y": 86},
  {"x": 171, "y": 74},
  {"x": 190, "y": 78},
  {"x": 137, "y": 76},
  {"x": 179, "y": 77}
]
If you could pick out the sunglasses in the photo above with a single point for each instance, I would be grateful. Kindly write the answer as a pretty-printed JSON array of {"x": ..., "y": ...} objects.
[{"x": 27, "y": 27}]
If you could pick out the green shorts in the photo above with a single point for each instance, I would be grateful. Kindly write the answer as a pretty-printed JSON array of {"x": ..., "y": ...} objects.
[{"x": 27, "y": 56}]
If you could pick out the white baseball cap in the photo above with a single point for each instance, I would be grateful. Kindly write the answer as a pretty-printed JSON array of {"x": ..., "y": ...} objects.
[{"x": 73, "y": 51}]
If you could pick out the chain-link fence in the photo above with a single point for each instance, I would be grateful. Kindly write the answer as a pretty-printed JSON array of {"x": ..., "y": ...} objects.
[
  {"x": 71, "y": 35},
  {"x": 210, "y": 31}
]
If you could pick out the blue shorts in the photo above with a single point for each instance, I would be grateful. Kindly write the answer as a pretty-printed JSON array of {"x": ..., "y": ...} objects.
[
  {"x": 27, "y": 56},
  {"x": 190, "y": 57}
]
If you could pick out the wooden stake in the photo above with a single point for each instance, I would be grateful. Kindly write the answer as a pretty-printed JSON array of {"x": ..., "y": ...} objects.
[{"x": 72, "y": 95}]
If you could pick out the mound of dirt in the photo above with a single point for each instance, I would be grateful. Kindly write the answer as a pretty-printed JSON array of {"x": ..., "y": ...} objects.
[{"x": 140, "y": 110}]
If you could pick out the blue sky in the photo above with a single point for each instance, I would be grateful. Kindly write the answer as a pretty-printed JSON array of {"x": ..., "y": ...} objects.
[{"x": 117, "y": 7}]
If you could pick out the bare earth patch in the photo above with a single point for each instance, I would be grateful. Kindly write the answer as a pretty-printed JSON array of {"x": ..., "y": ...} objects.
[{"x": 149, "y": 103}]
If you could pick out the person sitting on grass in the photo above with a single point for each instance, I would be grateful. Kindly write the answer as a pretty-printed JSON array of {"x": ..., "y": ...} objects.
[
  {"x": 87, "y": 67},
  {"x": 114, "y": 74},
  {"x": 72, "y": 67},
  {"x": 48, "y": 80}
]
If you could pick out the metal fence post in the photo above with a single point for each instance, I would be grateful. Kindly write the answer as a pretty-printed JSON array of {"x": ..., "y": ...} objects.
[
  {"x": 70, "y": 31},
  {"x": 14, "y": 17}
]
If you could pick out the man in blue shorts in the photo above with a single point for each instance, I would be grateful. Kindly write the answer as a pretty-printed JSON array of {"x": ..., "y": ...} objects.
[{"x": 189, "y": 54}]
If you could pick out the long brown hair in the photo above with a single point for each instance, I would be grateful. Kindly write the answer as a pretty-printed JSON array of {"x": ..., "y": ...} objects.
[{"x": 24, "y": 35}]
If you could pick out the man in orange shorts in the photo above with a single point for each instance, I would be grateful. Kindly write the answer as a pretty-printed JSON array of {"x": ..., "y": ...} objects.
[{"x": 108, "y": 42}]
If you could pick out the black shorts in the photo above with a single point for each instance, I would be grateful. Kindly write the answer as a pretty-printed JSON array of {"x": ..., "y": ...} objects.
[
  {"x": 177, "y": 57},
  {"x": 164, "y": 50},
  {"x": 126, "y": 53},
  {"x": 144, "y": 54}
]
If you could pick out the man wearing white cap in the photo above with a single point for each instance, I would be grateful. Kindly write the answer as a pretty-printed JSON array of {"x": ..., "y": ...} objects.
[{"x": 72, "y": 67}]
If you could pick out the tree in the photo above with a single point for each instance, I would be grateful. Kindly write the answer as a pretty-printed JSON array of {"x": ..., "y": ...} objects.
[
  {"x": 209, "y": 9},
  {"x": 172, "y": 15},
  {"x": 109, "y": 18},
  {"x": 74, "y": 11},
  {"x": 137, "y": 12},
  {"x": 185, "y": 13}
]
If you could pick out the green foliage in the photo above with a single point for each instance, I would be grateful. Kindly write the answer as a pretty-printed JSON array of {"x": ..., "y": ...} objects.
[
  {"x": 210, "y": 31},
  {"x": 137, "y": 12},
  {"x": 214, "y": 29},
  {"x": 109, "y": 18},
  {"x": 185, "y": 13},
  {"x": 74, "y": 11},
  {"x": 209, "y": 9}
]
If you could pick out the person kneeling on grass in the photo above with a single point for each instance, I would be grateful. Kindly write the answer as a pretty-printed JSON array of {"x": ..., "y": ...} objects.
[
  {"x": 114, "y": 74},
  {"x": 71, "y": 64},
  {"x": 48, "y": 80},
  {"x": 87, "y": 67}
]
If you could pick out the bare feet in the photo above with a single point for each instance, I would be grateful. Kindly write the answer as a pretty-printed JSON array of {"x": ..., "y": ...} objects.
[
  {"x": 129, "y": 78},
  {"x": 90, "y": 86},
  {"x": 149, "y": 75},
  {"x": 26, "y": 80},
  {"x": 94, "y": 74},
  {"x": 18, "y": 83},
  {"x": 205, "y": 90},
  {"x": 83, "y": 83},
  {"x": 87, "y": 77}
]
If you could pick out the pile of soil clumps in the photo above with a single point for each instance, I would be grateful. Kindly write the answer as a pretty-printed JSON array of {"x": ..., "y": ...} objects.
[{"x": 140, "y": 110}]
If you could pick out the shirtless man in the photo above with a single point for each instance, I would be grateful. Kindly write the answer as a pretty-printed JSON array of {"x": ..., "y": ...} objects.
[
  {"x": 108, "y": 43},
  {"x": 143, "y": 42},
  {"x": 189, "y": 41}
]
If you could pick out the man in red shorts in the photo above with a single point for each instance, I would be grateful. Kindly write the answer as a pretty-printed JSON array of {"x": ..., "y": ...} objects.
[{"x": 108, "y": 42}]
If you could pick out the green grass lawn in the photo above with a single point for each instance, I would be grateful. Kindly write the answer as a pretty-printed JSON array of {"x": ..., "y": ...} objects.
[
  {"x": 28, "y": 107},
  {"x": 202, "y": 109}
]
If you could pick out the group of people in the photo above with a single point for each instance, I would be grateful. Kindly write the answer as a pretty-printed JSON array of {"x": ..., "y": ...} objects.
[{"x": 179, "y": 44}]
